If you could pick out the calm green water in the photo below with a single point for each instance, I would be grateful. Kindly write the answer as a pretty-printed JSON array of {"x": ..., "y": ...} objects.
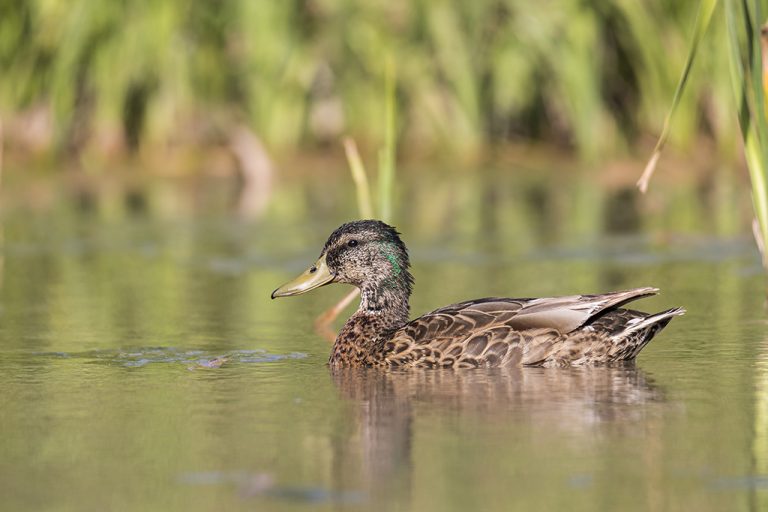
[{"x": 111, "y": 328}]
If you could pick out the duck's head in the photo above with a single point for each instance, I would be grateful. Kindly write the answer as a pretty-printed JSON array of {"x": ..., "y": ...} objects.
[{"x": 365, "y": 253}]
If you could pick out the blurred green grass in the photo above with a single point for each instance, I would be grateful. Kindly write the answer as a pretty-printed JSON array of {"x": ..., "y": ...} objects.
[{"x": 592, "y": 77}]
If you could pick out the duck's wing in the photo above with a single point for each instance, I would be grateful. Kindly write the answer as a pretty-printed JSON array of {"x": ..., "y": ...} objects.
[
  {"x": 506, "y": 332},
  {"x": 491, "y": 346},
  {"x": 565, "y": 314}
]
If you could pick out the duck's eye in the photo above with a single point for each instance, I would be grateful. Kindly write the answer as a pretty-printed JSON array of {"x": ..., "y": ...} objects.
[{"x": 352, "y": 243}]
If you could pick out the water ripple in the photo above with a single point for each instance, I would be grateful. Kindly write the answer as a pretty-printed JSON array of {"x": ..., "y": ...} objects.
[{"x": 194, "y": 359}]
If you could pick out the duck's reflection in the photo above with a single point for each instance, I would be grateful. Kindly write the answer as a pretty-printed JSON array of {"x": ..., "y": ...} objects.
[{"x": 580, "y": 403}]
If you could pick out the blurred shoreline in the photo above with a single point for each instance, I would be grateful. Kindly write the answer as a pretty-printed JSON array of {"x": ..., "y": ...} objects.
[{"x": 541, "y": 190}]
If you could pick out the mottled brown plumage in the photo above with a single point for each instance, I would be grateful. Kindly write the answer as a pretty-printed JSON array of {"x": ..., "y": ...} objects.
[{"x": 492, "y": 332}]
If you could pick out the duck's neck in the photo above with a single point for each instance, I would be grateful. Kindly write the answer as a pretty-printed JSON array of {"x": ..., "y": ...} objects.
[
  {"x": 383, "y": 308},
  {"x": 386, "y": 300}
]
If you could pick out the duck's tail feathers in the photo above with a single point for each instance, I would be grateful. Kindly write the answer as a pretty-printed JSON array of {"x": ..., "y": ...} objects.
[
  {"x": 639, "y": 331},
  {"x": 657, "y": 319},
  {"x": 618, "y": 299}
]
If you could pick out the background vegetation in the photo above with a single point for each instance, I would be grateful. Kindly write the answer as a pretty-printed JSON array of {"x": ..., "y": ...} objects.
[
  {"x": 592, "y": 77},
  {"x": 92, "y": 267}
]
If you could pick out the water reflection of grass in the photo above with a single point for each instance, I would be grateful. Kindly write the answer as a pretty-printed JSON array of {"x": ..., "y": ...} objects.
[
  {"x": 498, "y": 226},
  {"x": 113, "y": 277},
  {"x": 760, "y": 443},
  {"x": 537, "y": 201}
]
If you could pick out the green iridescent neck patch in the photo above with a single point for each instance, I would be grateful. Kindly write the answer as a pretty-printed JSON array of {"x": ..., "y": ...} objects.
[{"x": 389, "y": 250}]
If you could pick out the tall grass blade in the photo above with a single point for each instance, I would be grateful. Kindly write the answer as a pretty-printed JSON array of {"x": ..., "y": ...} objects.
[
  {"x": 359, "y": 176},
  {"x": 365, "y": 208},
  {"x": 706, "y": 8},
  {"x": 2, "y": 144},
  {"x": 386, "y": 183},
  {"x": 387, "y": 153},
  {"x": 747, "y": 78}
]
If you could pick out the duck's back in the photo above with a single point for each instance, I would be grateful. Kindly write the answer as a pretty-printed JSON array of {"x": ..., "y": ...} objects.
[{"x": 504, "y": 332}]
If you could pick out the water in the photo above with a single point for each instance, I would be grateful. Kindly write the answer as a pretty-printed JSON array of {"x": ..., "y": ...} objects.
[{"x": 144, "y": 367}]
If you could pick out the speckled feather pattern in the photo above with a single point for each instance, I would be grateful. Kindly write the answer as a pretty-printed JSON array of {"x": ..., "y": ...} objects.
[
  {"x": 466, "y": 337},
  {"x": 492, "y": 332}
]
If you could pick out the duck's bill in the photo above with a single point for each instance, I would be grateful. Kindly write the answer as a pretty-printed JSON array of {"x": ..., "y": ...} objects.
[{"x": 314, "y": 277}]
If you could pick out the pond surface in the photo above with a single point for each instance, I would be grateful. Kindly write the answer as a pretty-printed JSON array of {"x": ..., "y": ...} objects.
[{"x": 144, "y": 367}]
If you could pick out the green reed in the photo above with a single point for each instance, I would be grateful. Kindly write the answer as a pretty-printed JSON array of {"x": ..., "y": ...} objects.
[
  {"x": 386, "y": 181},
  {"x": 703, "y": 18},
  {"x": 385, "y": 185},
  {"x": 743, "y": 19},
  {"x": 584, "y": 75}
]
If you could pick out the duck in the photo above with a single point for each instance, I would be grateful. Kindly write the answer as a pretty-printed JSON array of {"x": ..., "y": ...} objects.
[{"x": 491, "y": 332}]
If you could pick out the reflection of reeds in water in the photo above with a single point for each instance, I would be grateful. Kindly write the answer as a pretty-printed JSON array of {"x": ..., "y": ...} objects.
[
  {"x": 760, "y": 443},
  {"x": 256, "y": 172}
]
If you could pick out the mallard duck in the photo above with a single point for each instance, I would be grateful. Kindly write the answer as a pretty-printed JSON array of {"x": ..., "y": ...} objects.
[{"x": 575, "y": 330}]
